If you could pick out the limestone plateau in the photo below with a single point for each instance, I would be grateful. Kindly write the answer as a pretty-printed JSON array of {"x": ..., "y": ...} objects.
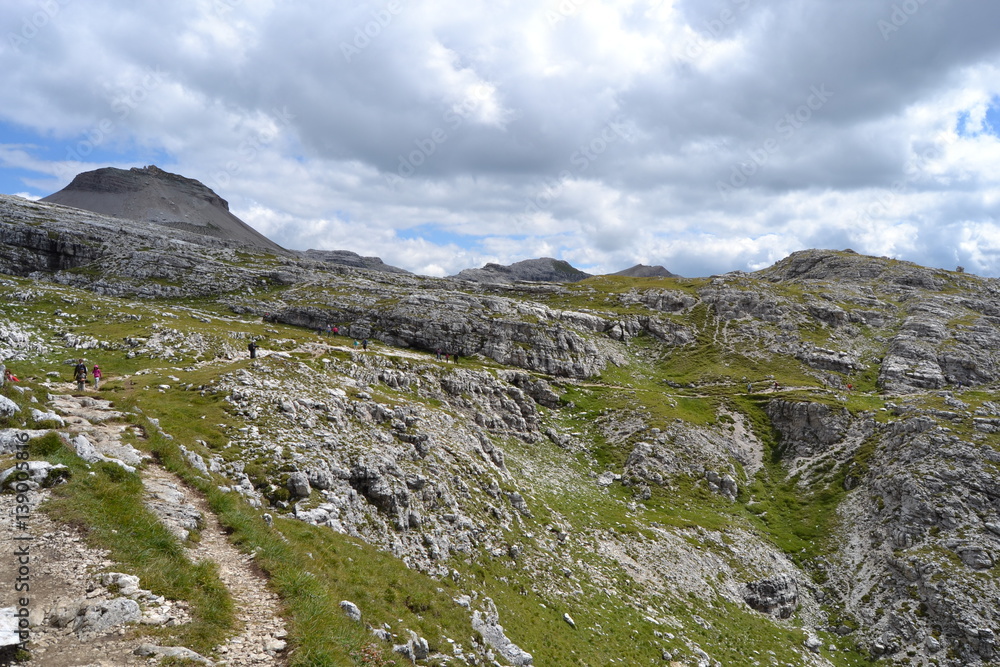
[{"x": 796, "y": 466}]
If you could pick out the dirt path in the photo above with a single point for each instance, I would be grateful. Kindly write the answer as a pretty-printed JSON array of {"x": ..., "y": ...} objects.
[
  {"x": 67, "y": 570},
  {"x": 262, "y": 638}
]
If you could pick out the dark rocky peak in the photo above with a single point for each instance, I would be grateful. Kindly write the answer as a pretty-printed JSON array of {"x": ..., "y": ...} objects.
[
  {"x": 643, "y": 271},
  {"x": 150, "y": 194},
  {"x": 545, "y": 269}
]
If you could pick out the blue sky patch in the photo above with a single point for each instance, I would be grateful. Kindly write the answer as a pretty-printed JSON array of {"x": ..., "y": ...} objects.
[
  {"x": 18, "y": 175},
  {"x": 991, "y": 122},
  {"x": 433, "y": 234}
]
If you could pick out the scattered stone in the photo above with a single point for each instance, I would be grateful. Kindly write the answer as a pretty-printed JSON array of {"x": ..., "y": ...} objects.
[
  {"x": 351, "y": 610},
  {"x": 175, "y": 652},
  {"x": 487, "y": 624}
]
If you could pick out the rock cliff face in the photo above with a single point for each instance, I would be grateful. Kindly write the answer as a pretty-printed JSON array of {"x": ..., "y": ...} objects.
[
  {"x": 917, "y": 524},
  {"x": 704, "y": 471}
]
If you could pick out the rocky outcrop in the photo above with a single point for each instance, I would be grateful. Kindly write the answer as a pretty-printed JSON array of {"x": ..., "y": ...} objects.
[
  {"x": 807, "y": 429},
  {"x": 487, "y": 624},
  {"x": 778, "y": 595},
  {"x": 545, "y": 269},
  {"x": 352, "y": 259}
]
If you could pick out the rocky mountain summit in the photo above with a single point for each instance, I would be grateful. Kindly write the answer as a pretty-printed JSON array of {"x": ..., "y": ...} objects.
[
  {"x": 796, "y": 466},
  {"x": 643, "y": 271}
]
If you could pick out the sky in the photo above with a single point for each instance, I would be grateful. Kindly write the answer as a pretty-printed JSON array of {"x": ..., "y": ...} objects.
[{"x": 705, "y": 136}]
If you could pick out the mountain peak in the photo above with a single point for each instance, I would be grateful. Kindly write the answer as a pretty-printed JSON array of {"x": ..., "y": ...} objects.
[
  {"x": 151, "y": 194},
  {"x": 643, "y": 271}
]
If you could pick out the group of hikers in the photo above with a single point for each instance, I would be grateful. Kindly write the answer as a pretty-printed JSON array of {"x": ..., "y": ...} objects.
[
  {"x": 334, "y": 330},
  {"x": 80, "y": 374}
]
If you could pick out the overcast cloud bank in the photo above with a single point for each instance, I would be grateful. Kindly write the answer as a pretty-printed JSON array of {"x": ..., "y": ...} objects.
[{"x": 703, "y": 136}]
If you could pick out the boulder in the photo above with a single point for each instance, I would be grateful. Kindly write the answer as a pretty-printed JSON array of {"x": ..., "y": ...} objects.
[
  {"x": 298, "y": 485},
  {"x": 351, "y": 610}
]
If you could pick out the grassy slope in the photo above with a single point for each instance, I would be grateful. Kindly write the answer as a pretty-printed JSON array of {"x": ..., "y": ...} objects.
[{"x": 315, "y": 568}]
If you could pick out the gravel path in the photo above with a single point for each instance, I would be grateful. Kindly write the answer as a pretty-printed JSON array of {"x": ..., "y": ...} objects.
[{"x": 65, "y": 570}]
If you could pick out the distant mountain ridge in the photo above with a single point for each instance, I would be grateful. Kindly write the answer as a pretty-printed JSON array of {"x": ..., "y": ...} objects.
[
  {"x": 152, "y": 195},
  {"x": 548, "y": 270}
]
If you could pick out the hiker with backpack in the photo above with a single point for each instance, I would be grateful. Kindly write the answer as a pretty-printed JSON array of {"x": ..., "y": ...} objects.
[{"x": 80, "y": 375}]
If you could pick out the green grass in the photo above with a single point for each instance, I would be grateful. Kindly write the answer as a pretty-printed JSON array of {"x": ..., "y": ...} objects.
[{"x": 108, "y": 507}]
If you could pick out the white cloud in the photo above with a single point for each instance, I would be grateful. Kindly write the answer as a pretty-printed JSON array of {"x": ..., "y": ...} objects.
[{"x": 472, "y": 119}]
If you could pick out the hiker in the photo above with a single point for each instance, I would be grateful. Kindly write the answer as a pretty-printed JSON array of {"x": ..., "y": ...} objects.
[
  {"x": 80, "y": 375},
  {"x": 356, "y": 343},
  {"x": 96, "y": 372},
  {"x": 364, "y": 344},
  {"x": 455, "y": 358},
  {"x": 8, "y": 377},
  {"x": 253, "y": 349},
  {"x": 437, "y": 354},
  {"x": 749, "y": 387},
  {"x": 336, "y": 331}
]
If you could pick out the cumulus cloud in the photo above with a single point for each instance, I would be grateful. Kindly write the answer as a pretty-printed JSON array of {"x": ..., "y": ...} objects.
[{"x": 704, "y": 136}]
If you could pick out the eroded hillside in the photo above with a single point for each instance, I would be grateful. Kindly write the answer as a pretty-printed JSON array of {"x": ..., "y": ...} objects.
[{"x": 791, "y": 467}]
